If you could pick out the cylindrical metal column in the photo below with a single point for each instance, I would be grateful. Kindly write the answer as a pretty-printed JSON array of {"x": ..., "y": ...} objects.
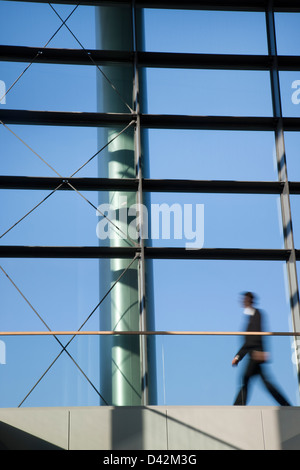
[{"x": 121, "y": 357}]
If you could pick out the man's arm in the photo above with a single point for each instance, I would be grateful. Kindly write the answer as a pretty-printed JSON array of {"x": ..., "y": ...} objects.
[{"x": 240, "y": 355}]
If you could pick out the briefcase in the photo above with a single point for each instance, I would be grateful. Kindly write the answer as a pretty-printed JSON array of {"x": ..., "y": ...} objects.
[{"x": 260, "y": 356}]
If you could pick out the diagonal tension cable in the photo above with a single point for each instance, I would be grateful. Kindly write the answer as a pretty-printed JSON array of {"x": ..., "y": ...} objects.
[
  {"x": 30, "y": 212},
  {"x": 48, "y": 328},
  {"x": 30, "y": 148},
  {"x": 39, "y": 53},
  {"x": 80, "y": 328},
  {"x": 102, "y": 148},
  {"x": 97, "y": 153},
  {"x": 94, "y": 63},
  {"x": 118, "y": 229}
]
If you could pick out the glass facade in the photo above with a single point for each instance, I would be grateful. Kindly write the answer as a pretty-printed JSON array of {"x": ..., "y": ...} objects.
[{"x": 123, "y": 145}]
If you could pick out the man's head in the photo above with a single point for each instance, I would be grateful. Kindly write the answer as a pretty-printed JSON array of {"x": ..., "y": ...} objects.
[{"x": 248, "y": 299}]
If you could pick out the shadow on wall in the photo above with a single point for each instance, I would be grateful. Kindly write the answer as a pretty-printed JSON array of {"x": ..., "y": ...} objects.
[
  {"x": 146, "y": 428},
  {"x": 12, "y": 438},
  {"x": 288, "y": 420},
  {"x": 229, "y": 428}
]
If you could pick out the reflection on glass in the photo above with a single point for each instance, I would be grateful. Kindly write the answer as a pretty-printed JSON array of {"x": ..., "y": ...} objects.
[
  {"x": 292, "y": 145},
  {"x": 216, "y": 155},
  {"x": 230, "y": 220},
  {"x": 63, "y": 218},
  {"x": 198, "y": 370},
  {"x": 59, "y": 295},
  {"x": 290, "y": 93},
  {"x": 209, "y": 32},
  {"x": 295, "y": 208},
  {"x": 34, "y": 24},
  {"x": 205, "y": 296},
  {"x": 65, "y": 148},
  {"x": 209, "y": 92},
  {"x": 50, "y": 87},
  {"x": 288, "y": 33}
]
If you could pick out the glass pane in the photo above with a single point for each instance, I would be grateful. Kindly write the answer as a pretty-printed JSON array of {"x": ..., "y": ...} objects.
[
  {"x": 216, "y": 155},
  {"x": 61, "y": 87},
  {"x": 34, "y": 24},
  {"x": 292, "y": 145},
  {"x": 295, "y": 207},
  {"x": 66, "y": 149},
  {"x": 204, "y": 296},
  {"x": 298, "y": 272},
  {"x": 202, "y": 372},
  {"x": 210, "y": 32},
  {"x": 290, "y": 93},
  {"x": 66, "y": 385},
  {"x": 50, "y": 87},
  {"x": 288, "y": 33},
  {"x": 114, "y": 85},
  {"x": 63, "y": 218},
  {"x": 29, "y": 357},
  {"x": 225, "y": 220},
  {"x": 184, "y": 220},
  {"x": 209, "y": 92},
  {"x": 61, "y": 294},
  {"x": 68, "y": 218},
  {"x": 26, "y": 360},
  {"x": 193, "y": 286}
]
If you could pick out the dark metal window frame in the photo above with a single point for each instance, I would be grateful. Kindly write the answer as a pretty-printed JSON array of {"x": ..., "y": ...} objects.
[
  {"x": 277, "y": 123},
  {"x": 248, "y": 5},
  {"x": 271, "y": 62}
]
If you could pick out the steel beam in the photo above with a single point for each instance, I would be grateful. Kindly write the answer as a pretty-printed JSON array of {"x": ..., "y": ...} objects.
[
  {"x": 237, "y": 5},
  {"x": 78, "y": 252},
  {"x": 283, "y": 177},
  {"x": 64, "y": 56},
  {"x": 67, "y": 252},
  {"x": 146, "y": 59},
  {"x": 149, "y": 121},
  {"x": 81, "y": 184},
  {"x": 213, "y": 186},
  {"x": 149, "y": 185},
  {"x": 61, "y": 118}
]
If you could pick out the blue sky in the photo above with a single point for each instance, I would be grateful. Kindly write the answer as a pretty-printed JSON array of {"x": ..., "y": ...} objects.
[{"x": 189, "y": 295}]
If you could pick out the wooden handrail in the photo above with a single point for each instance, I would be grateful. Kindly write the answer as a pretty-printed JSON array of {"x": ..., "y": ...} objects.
[{"x": 148, "y": 333}]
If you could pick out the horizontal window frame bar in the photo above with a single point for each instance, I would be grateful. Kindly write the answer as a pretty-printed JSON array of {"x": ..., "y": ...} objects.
[
  {"x": 64, "y": 56},
  {"x": 83, "y": 252},
  {"x": 165, "y": 121},
  {"x": 213, "y": 186},
  {"x": 147, "y": 59},
  {"x": 149, "y": 121},
  {"x": 148, "y": 185},
  {"x": 235, "y": 5},
  {"x": 62, "y": 118},
  {"x": 147, "y": 333},
  {"x": 218, "y": 254},
  {"x": 217, "y": 61},
  {"x": 82, "y": 184}
]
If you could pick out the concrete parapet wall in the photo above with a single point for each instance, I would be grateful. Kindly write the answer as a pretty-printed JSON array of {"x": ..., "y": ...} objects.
[{"x": 150, "y": 428}]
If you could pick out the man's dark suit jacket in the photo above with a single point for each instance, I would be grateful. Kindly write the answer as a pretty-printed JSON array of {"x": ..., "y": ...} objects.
[{"x": 252, "y": 343}]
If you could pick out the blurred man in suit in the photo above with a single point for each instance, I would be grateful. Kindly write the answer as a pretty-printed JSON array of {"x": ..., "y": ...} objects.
[{"x": 253, "y": 346}]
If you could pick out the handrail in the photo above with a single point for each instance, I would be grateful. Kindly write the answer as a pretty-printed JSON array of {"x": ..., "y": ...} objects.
[{"x": 148, "y": 333}]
